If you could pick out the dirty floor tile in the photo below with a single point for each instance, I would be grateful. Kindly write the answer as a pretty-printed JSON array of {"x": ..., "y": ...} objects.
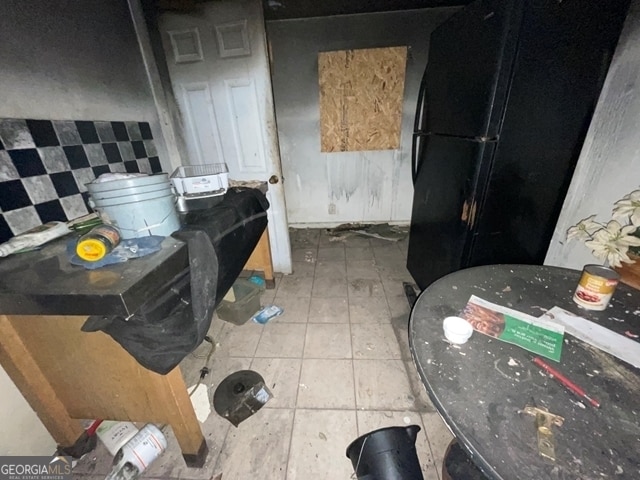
[
  {"x": 329, "y": 287},
  {"x": 328, "y": 340},
  {"x": 326, "y": 384},
  {"x": 331, "y": 254},
  {"x": 365, "y": 287},
  {"x": 282, "y": 340},
  {"x": 296, "y": 309},
  {"x": 382, "y": 385},
  {"x": 369, "y": 310},
  {"x": 329, "y": 310},
  {"x": 295, "y": 286},
  {"x": 439, "y": 435},
  {"x": 259, "y": 447},
  {"x": 375, "y": 341},
  {"x": 318, "y": 444},
  {"x": 237, "y": 340}
]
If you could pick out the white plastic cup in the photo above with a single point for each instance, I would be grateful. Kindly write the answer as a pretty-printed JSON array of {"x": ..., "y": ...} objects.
[{"x": 457, "y": 330}]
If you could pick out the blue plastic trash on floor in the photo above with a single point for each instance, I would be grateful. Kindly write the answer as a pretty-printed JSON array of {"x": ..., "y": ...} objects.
[{"x": 267, "y": 313}]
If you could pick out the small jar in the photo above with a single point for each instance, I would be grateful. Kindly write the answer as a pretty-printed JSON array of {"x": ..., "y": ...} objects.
[{"x": 98, "y": 243}]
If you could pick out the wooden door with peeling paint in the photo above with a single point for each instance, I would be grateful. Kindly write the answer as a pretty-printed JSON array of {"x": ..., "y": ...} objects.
[{"x": 219, "y": 70}]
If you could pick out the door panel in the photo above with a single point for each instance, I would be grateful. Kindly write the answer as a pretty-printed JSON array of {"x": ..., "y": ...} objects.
[
  {"x": 204, "y": 143},
  {"x": 468, "y": 70},
  {"x": 444, "y": 206},
  {"x": 218, "y": 59},
  {"x": 245, "y": 122}
]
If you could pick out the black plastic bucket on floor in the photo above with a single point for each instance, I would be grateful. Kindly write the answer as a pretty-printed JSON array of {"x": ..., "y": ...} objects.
[{"x": 386, "y": 454}]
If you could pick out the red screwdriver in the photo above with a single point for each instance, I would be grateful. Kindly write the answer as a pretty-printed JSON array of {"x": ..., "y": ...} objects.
[{"x": 565, "y": 381}]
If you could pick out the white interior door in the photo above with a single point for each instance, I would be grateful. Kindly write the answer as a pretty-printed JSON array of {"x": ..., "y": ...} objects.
[{"x": 217, "y": 58}]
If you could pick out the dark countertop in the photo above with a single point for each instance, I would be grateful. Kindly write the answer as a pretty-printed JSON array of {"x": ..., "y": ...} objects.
[
  {"x": 481, "y": 387},
  {"x": 43, "y": 282}
]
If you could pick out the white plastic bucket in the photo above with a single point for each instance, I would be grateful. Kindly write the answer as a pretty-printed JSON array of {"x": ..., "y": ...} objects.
[
  {"x": 125, "y": 183},
  {"x": 127, "y": 191},
  {"x": 127, "y": 198},
  {"x": 133, "y": 208}
]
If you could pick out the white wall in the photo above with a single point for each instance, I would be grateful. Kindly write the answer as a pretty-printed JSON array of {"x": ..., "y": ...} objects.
[
  {"x": 75, "y": 60},
  {"x": 609, "y": 165},
  {"x": 22, "y": 431},
  {"x": 70, "y": 60},
  {"x": 332, "y": 188}
]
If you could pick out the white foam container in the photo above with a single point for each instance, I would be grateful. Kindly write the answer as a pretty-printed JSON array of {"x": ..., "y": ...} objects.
[{"x": 457, "y": 330}]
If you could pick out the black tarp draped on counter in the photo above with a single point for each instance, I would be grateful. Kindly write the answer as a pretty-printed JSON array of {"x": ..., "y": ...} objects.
[{"x": 172, "y": 323}]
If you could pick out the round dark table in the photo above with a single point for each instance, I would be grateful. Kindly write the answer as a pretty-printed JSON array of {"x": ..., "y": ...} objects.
[{"x": 481, "y": 388}]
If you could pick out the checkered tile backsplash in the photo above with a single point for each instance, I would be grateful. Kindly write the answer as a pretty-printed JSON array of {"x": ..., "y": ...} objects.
[{"x": 45, "y": 164}]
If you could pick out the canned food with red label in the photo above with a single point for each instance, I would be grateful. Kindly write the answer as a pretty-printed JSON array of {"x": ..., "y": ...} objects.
[{"x": 596, "y": 287}]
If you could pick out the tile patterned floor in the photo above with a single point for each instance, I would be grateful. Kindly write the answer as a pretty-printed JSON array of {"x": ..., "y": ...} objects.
[{"x": 337, "y": 362}]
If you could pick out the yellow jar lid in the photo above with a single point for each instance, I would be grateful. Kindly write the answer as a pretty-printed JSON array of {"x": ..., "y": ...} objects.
[{"x": 91, "y": 250}]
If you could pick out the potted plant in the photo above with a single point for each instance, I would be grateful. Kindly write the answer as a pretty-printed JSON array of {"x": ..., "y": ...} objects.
[{"x": 616, "y": 243}]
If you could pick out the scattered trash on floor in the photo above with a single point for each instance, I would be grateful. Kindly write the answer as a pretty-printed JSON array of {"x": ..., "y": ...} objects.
[
  {"x": 114, "y": 435},
  {"x": 383, "y": 231},
  {"x": 258, "y": 280},
  {"x": 201, "y": 403},
  {"x": 138, "y": 453},
  {"x": 267, "y": 313},
  {"x": 85, "y": 443},
  {"x": 240, "y": 395}
]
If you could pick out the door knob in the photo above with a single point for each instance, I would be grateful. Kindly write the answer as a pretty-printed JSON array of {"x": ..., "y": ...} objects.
[{"x": 273, "y": 179}]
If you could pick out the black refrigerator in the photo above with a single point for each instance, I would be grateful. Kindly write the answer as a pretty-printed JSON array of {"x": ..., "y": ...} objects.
[{"x": 504, "y": 106}]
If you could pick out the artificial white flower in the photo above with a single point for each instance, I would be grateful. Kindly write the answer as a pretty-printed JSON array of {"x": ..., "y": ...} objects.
[
  {"x": 610, "y": 253},
  {"x": 611, "y": 242},
  {"x": 628, "y": 207},
  {"x": 615, "y": 233},
  {"x": 584, "y": 229}
]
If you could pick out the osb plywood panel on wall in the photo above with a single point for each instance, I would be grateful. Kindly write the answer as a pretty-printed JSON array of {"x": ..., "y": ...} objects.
[{"x": 361, "y": 94}]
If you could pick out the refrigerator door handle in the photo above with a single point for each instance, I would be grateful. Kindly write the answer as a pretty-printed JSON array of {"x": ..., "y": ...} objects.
[
  {"x": 415, "y": 154},
  {"x": 420, "y": 104},
  {"x": 418, "y": 133}
]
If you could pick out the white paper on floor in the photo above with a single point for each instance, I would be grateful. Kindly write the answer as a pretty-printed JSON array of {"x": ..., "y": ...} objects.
[{"x": 200, "y": 402}]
